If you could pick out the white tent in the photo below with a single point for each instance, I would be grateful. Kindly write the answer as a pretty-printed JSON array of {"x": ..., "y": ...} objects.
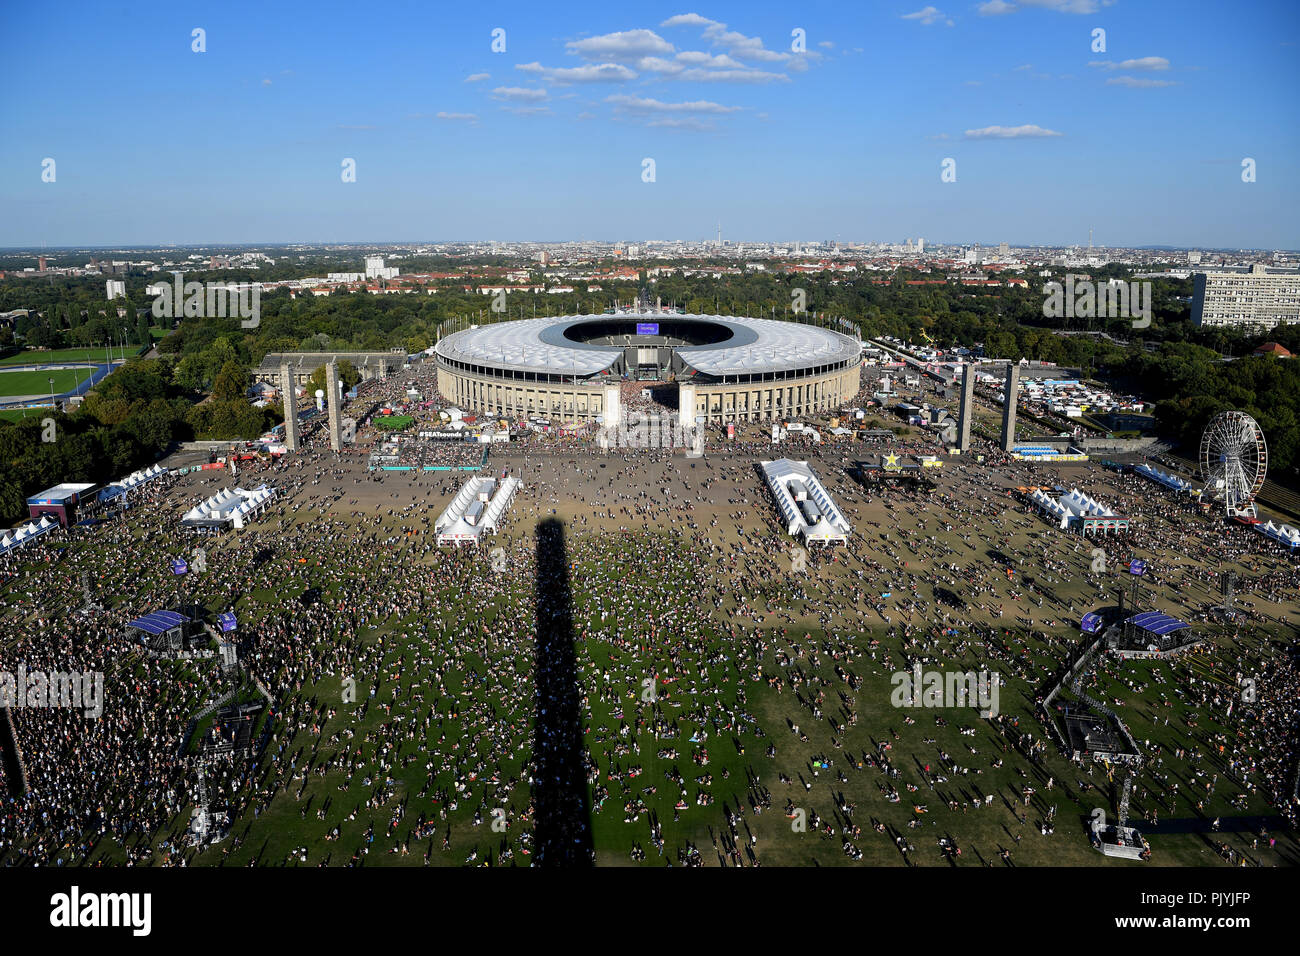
[{"x": 789, "y": 480}]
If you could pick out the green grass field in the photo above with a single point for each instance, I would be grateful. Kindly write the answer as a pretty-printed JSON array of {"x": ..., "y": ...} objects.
[
  {"x": 54, "y": 356},
  {"x": 393, "y": 423},
  {"x": 18, "y": 414},
  {"x": 38, "y": 382},
  {"x": 731, "y": 682},
  {"x": 647, "y": 758}
]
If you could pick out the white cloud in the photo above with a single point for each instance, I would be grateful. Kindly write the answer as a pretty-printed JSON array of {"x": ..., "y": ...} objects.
[
  {"x": 594, "y": 73},
  {"x": 1027, "y": 131},
  {"x": 477, "y": 77},
  {"x": 519, "y": 94},
  {"x": 690, "y": 20},
  {"x": 528, "y": 110},
  {"x": 765, "y": 55},
  {"x": 928, "y": 16},
  {"x": 740, "y": 50},
  {"x": 827, "y": 44},
  {"x": 1142, "y": 63},
  {"x": 624, "y": 45},
  {"x": 996, "y": 8},
  {"x": 716, "y": 60},
  {"x": 657, "y": 64},
  {"x": 471, "y": 117},
  {"x": 1023, "y": 66},
  {"x": 638, "y": 104},
  {"x": 732, "y": 76},
  {"x": 1138, "y": 82}
]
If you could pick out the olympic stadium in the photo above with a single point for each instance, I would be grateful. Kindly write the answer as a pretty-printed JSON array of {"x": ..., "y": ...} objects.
[{"x": 722, "y": 369}]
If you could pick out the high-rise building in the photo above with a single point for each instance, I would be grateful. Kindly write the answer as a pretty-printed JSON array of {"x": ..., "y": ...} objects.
[
  {"x": 1003, "y": 250},
  {"x": 116, "y": 287},
  {"x": 1263, "y": 297},
  {"x": 920, "y": 245},
  {"x": 375, "y": 269}
]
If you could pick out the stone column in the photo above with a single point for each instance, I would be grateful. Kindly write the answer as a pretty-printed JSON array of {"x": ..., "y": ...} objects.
[
  {"x": 1009, "y": 407},
  {"x": 966, "y": 410},
  {"x": 332, "y": 404},
  {"x": 686, "y": 405},
  {"x": 611, "y": 406},
  {"x": 287, "y": 387}
]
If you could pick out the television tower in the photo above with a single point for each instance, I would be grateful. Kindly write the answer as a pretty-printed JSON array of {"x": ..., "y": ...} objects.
[{"x": 719, "y": 234}]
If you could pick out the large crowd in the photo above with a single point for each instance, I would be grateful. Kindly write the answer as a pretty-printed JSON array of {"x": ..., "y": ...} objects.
[{"x": 646, "y": 625}]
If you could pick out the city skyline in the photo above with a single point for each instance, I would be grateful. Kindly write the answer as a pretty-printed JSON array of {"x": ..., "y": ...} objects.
[{"x": 835, "y": 123}]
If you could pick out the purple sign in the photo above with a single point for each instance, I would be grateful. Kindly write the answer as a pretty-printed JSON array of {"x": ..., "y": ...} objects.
[{"x": 647, "y": 328}]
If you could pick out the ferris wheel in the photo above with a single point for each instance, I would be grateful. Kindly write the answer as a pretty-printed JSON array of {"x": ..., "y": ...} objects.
[{"x": 1234, "y": 461}]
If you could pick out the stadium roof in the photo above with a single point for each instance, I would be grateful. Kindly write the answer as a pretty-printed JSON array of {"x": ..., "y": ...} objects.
[
  {"x": 159, "y": 622},
  {"x": 1157, "y": 622},
  {"x": 754, "y": 346}
]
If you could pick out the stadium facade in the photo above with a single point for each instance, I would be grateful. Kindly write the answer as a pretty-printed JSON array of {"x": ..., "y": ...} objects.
[{"x": 727, "y": 369}]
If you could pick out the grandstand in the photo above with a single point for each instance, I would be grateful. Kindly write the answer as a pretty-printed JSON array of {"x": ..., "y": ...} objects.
[{"x": 1047, "y": 453}]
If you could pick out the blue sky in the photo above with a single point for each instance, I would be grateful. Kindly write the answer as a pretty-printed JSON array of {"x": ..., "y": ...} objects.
[{"x": 154, "y": 143}]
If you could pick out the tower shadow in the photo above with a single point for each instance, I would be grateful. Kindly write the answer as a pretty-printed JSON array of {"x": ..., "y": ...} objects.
[
  {"x": 560, "y": 798},
  {"x": 14, "y": 775}
]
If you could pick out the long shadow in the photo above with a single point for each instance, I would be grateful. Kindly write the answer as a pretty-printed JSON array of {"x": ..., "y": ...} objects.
[
  {"x": 562, "y": 828},
  {"x": 11, "y": 756}
]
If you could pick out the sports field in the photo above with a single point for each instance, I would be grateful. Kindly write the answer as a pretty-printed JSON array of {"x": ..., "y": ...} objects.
[
  {"x": 38, "y": 382},
  {"x": 18, "y": 414},
  {"x": 55, "y": 356}
]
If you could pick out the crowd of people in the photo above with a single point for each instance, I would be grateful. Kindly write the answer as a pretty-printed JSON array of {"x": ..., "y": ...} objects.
[{"x": 642, "y": 659}]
